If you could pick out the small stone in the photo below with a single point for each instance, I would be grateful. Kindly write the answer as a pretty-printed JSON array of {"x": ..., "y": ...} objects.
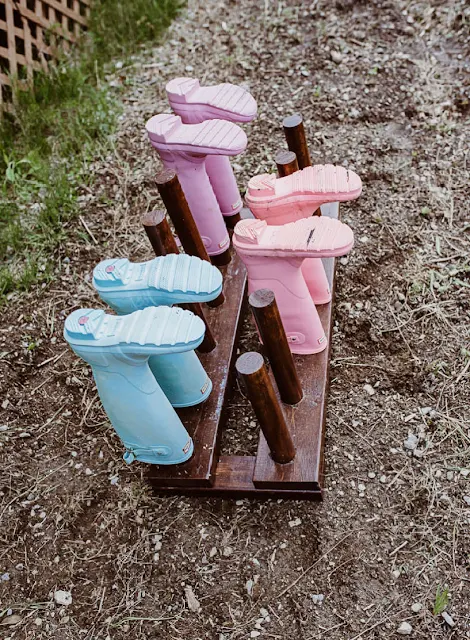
[
  {"x": 5, "y": 577},
  {"x": 336, "y": 57},
  {"x": 416, "y": 607},
  {"x": 317, "y": 598},
  {"x": 193, "y": 602},
  {"x": 213, "y": 552},
  {"x": 361, "y": 487},
  {"x": 448, "y": 618},
  {"x": 369, "y": 389},
  {"x": 465, "y": 472},
  {"x": 396, "y": 574},
  {"x": 371, "y": 475},
  {"x": 295, "y": 523},
  {"x": 63, "y": 598},
  {"x": 11, "y": 620},
  {"x": 411, "y": 442},
  {"x": 227, "y": 551},
  {"x": 249, "y": 587},
  {"x": 467, "y": 500},
  {"x": 405, "y": 629},
  {"x": 255, "y": 634},
  {"x": 425, "y": 410},
  {"x": 383, "y": 479},
  {"x": 189, "y": 68},
  {"x": 264, "y": 612}
]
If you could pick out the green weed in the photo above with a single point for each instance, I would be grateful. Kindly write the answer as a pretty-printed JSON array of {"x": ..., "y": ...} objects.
[
  {"x": 441, "y": 601},
  {"x": 54, "y": 130}
]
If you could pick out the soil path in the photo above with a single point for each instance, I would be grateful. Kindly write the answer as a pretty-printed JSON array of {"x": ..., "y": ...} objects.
[{"x": 384, "y": 89}]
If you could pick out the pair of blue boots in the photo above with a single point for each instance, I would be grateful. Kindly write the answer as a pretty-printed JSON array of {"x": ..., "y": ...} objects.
[{"x": 143, "y": 359}]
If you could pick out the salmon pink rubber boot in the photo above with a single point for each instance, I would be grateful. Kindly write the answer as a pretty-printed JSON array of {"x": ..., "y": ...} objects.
[
  {"x": 195, "y": 104},
  {"x": 184, "y": 148},
  {"x": 283, "y": 200},
  {"x": 273, "y": 257}
]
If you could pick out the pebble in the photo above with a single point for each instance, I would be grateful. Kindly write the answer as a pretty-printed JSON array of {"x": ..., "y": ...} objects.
[
  {"x": 193, "y": 602},
  {"x": 5, "y": 577},
  {"x": 405, "y": 629},
  {"x": 255, "y": 634},
  {"x": 448, "y": 618},
  {"x": 264, "y": 612},
  {"x": 411, "y": 442},
  {"x": 465, "y": 472},
  {"x": 383, "y": 479},
  {"x": 467, "y": 500},
  {"x": 396, "y": 574},
  {"x": 295, "y": 523},
  {"x": 317, "y": 598},
  {"x": 416, "y": 607},
  {"x": 371, "y": 474},
  {"x": 63, "y": 597},
  {"x": 336, "y": 57},
  {"x": 227, "y": 551},
  {"x": 369, "y": 389}
]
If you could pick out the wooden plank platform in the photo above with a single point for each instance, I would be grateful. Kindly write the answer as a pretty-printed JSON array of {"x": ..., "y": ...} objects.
[
  {"x": 253, "y": 476},
  {"x": 306, "y": 421},
  {"x": 204, "y": 420}
]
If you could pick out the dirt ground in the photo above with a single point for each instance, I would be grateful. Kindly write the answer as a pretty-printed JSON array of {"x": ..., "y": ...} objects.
[{"x": 384, "y": 90}]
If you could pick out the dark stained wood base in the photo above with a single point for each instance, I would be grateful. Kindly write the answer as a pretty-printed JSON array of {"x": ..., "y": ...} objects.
[{"x": 207, "y": 474}]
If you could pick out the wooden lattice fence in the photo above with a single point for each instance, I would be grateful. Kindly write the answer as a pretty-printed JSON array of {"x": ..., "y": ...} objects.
[{"x": 30, "y": 31}]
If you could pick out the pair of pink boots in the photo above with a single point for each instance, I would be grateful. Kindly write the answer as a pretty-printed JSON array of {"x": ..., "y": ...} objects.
[
  {"x": 282, "y": 249},
  {"x": 196, "y": 143}
]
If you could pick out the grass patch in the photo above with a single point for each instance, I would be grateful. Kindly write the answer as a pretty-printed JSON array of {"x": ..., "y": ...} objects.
[{"x": 53, "y": 132}]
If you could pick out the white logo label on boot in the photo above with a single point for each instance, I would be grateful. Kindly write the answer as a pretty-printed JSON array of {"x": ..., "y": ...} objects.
[
  {"x": 322, "y": 339},
  {"x": 187, "y": 446},
  {"x": 205, "y": 386}
]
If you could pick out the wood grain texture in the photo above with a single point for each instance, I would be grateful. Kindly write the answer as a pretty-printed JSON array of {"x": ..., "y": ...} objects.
[
  {"x": 296, "y": 140},
  {"x": 260, "y": 390},
  {"x": 233, "y": 479},
  {"x": 204, "y": 420},
  {"x": 306, "y": 421},
  {"x": 268, "y": 320},
  {"x": 286, "y": 163}
]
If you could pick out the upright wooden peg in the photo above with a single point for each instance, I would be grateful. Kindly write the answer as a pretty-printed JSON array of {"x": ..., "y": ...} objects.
[
  {"x": 266, "y": 406},
  {"x": 163, "y": 242},
  {"x": 296, "y": 141},
  {"x": 159, "y": 233},
  {"x": 178, "y": 209},
  {"x": 269, "y": 323},
  {"x": 286, "y": 163}
]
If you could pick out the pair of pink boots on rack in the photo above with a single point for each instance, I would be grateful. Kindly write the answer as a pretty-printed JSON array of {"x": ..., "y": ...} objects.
[
  {"x": 196, "y": 143},
  {"x": 283, "y": 247}
]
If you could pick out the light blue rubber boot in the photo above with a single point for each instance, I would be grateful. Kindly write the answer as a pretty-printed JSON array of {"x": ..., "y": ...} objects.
[
  {"x": 118, "y": 349},
  {"x": 129, "y": 286},
  {"x": 167, "y": 280}
]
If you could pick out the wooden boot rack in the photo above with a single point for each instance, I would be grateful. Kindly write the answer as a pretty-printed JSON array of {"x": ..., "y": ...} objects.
[{"x": 289, "y": 459}]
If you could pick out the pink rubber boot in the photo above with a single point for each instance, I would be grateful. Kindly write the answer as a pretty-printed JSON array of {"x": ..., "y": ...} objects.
[
  {"x": 195, "y": 104},
  {"x": 273, "y": 257},
  {"x": 184, "y": 148},
  {"x": 297, "y": 196}
]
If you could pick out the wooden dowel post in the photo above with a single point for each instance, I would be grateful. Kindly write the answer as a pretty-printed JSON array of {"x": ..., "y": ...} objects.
[
  {"x": 159, "y": 233},
  {"x": 268, "y": 320},
  {"x": 261, "y": 394},
  {"x": 163, "y": 242},
  {"x": 178, "y": 209},
  {"x": 170, "y": 190},
  {"x": 296, "y": 141},
  {"x": 231, "y": 221},
  {"x": 286, "y": 163}
]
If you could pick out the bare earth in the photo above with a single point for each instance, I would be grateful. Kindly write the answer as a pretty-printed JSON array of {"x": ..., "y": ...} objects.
[{"x": 384, "y": 90}]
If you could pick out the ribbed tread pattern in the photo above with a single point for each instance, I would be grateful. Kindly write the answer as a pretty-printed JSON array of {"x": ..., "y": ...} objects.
[
  {"x": 153, "y": 326},
  {"x": 229, "y": 99},
  {"x": 167, "y": 130},
  {"x": 161, "y": 326},
  {"x": 180, "y": 272},
  {"x": 317, "y": 180},
  {"x": 314, "y": 234}
]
